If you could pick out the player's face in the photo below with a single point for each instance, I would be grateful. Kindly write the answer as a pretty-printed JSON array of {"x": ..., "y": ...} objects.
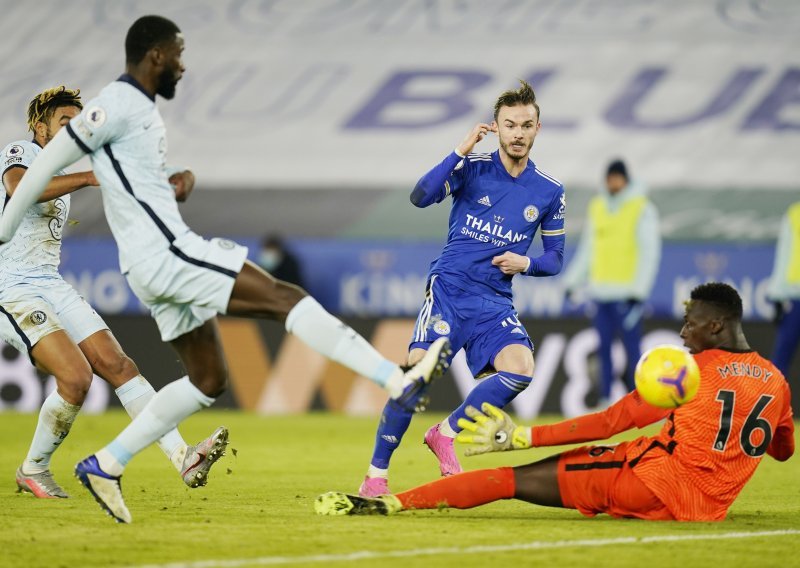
[
  {"x": 60, "y": 118},
  {"x": 517, "y": 127},
  {"x": 700, "y": 327},
  {"x": 173, "y": 67},
  {"x": 615, "y": 183}
]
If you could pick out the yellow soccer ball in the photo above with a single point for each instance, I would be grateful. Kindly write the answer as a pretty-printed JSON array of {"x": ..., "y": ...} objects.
[{"x": 667, "y": 376}]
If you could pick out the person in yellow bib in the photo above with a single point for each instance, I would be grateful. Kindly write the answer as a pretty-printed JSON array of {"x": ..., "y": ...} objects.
[
  {"x": 617, "y": 261},
  {"x": 784, "y": 289}
]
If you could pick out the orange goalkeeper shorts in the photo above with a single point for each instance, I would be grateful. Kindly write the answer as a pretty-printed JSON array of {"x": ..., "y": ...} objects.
[{"x": 598, "y": 479}]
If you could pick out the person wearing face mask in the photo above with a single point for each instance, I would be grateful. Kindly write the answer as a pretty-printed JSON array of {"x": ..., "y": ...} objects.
[{"x": 278, "y": 261}]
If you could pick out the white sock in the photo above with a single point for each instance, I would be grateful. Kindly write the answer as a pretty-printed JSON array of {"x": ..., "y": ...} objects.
[
  {"x": 55, "y": 420},
  {"x": 166, "y": 410},
  {"x": 309, "y": 321},
  {"x": 134, "y": 396},
  {"x": 373, "y": 471},
  {"x": 446, "y": 430}
]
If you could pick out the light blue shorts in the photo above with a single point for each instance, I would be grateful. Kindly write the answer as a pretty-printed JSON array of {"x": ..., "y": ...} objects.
[
  {"x": 30, "y": 310},
  {"x": 187, "y": 286}
]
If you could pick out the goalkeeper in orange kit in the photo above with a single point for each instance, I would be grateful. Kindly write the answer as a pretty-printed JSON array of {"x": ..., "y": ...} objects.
[{"x": 692, "y": 470}]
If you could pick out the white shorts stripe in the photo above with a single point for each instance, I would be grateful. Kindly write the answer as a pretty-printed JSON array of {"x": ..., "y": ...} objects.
[{"x": 425, "y": 313}]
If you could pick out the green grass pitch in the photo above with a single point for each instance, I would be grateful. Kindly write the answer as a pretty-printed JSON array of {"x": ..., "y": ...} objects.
[{"x": 258, "y": 509}]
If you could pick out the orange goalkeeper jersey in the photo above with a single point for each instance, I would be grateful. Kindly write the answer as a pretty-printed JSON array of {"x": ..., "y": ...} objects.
[{"x": 708, "y": 448}]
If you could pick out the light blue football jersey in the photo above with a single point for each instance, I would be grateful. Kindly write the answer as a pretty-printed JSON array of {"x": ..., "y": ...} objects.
[
  {"x": 124, "y": 134},
  {"x": 35, "y": 250}
]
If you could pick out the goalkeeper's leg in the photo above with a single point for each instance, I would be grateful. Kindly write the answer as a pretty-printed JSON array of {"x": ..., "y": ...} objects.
[{"x": 536, "y": 483}]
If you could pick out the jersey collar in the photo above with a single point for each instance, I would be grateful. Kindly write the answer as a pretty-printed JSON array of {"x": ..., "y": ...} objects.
[
  {"x": 126, "y": 78},
  {"x": 499, "y": 163}
]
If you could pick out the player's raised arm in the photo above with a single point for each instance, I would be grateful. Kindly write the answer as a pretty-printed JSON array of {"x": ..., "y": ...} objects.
[
  {"x": 434, "y": 186},
  {"x": 59, "y": 153}
]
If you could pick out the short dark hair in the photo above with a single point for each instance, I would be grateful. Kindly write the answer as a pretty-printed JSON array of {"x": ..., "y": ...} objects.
[
  {"x": 618, "y": 167},
  {"x": 722, "y": 297},
  {"x": 146, "y": 33},
  {"x": 522, "y": 96}
]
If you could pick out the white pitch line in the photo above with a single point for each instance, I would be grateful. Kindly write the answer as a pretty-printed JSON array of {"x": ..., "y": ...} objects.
[{"x": 535, "y": 545}]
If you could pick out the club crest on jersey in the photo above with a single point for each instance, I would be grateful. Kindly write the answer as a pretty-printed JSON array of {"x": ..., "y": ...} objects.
[
  {"x": 226, "y": 244},
  {"x": 531, "y": 213},
  {"x": 38, "y": 317},
  {"x": 96, "y": 117},
  {"x": 14, "y": 151},
  {"x": 441, "y": 327}
]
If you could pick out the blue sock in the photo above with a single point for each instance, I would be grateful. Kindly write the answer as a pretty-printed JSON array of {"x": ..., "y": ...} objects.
[
  {"x": 498, "y": 389},
  {"x": 393, "y": 425}
]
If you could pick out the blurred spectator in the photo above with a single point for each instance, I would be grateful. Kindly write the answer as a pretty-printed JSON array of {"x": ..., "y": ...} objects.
[
  {"x": 278, "y": 261},
  {"x": 784, "y": 289},
  {"x": 617, "y": 259}
]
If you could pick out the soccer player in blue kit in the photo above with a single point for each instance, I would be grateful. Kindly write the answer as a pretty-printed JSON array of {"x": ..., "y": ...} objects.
[{"x": 499, "y": 201}]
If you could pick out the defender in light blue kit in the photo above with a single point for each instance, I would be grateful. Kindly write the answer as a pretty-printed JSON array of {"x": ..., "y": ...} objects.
[
  {"x": 183, "y": 278},
  {"x": 500, "y": 200},
  {"x": 44, "y": 317}
]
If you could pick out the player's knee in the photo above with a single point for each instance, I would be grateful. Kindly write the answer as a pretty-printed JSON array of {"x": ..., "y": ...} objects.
[
  {"x": 212, "y": 382},
  {"x": 521, "y": 367},
  {"x": 74, "y": 381},
  {"x": 116, "y": 368},
  {"x": 291, "y": 295}
]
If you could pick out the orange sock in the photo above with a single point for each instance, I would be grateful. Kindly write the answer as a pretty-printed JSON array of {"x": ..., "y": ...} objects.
[{"x": 462, "y": 491}]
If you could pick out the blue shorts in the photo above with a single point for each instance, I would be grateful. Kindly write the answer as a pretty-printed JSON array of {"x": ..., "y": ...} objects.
[{"x": 482, "y": 326}]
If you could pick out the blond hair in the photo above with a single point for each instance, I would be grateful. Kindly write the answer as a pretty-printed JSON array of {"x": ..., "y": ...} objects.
[{"x": 43, "y": 105}]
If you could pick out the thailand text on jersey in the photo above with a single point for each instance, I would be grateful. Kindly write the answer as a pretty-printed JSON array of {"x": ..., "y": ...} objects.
[
  {"x": 492, "y": 213},
  {"x": 35, "y": 250}
]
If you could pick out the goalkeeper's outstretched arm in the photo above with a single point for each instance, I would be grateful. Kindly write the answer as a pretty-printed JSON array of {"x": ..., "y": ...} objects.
[
  {"x": 59, "y": 153},
  {"x": 493, "y": 430}
]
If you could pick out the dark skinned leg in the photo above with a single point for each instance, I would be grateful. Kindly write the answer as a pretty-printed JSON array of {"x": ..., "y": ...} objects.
[
  {"x": 200, "y": 351},
  {"x": 538, "y": 482},
  {"x": 257, "y": 294}
]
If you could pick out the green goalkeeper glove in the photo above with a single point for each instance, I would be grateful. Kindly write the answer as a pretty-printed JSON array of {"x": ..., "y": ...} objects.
[{"x": 492, "y": 431}]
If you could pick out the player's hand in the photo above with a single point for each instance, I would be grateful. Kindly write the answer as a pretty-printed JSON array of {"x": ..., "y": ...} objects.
[
  {"x": 476, "y": 135},
  {"x": 90, "y": 179},
  {"x": 183, "y": 184},
  {"x": 511, "y": 263},
  {"x": 491, "y": 431}
]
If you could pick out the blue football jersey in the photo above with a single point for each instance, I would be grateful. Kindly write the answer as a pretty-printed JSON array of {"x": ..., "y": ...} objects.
[{"x": 492, "y": 213}]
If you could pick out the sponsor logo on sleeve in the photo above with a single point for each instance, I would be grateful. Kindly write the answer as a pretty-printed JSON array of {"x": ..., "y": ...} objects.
[
  {"x": 79, "y": 125},
  {"x": 15, "y": 151},
  {"x": 560, "y": 214},
  {"x": 95, "y": 117}
]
